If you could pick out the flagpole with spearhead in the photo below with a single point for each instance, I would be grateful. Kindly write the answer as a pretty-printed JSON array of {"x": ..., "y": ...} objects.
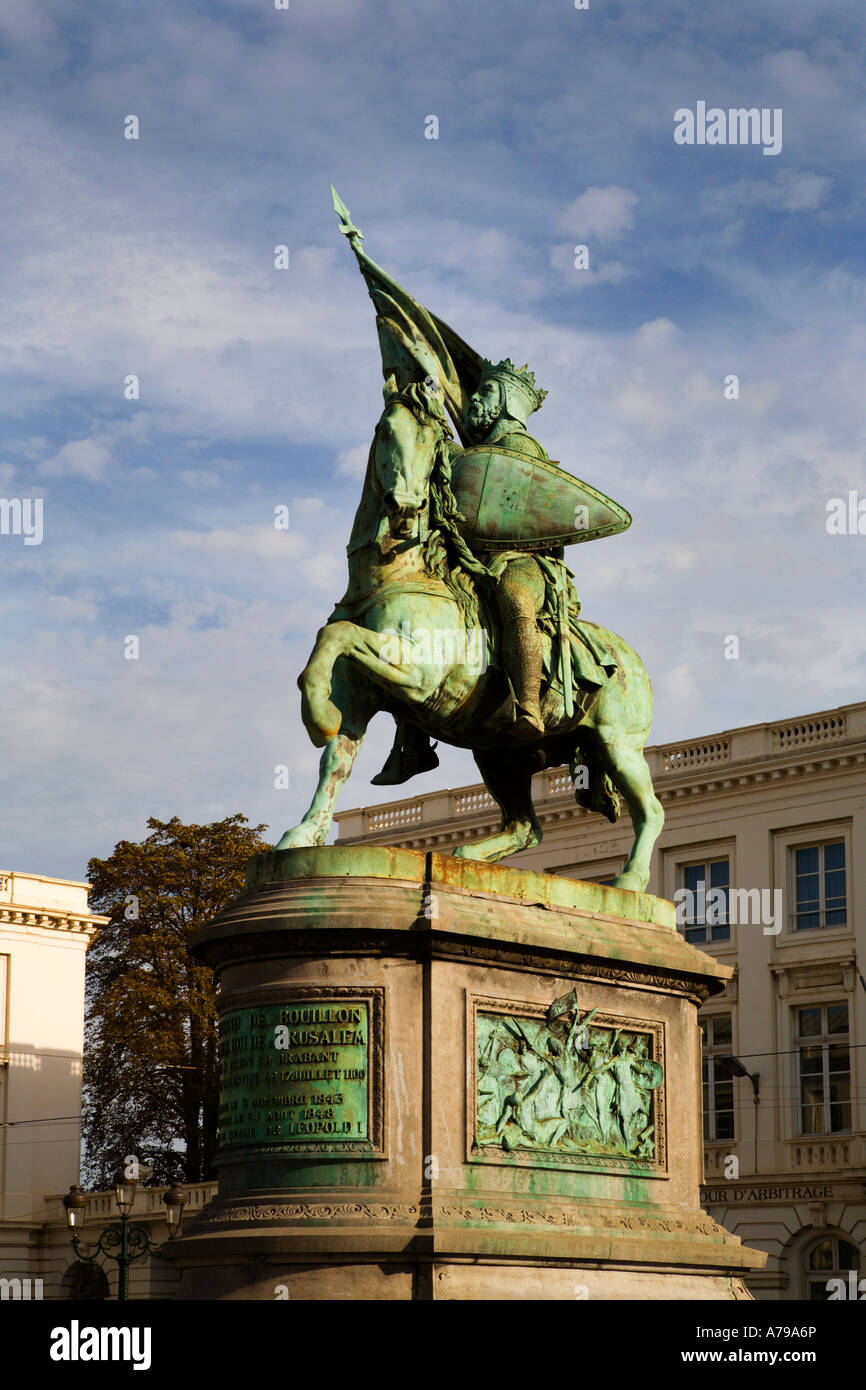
[{"x": 347, "y": 226}]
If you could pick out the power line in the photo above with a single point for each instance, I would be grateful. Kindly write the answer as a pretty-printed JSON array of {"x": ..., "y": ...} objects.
[
  {"x": 47, "y": 1120},
  {"x": 715, "y": 1048}
]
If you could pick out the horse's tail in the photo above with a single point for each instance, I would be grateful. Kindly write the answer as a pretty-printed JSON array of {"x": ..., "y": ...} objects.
[{"x": 593, "y": 788}]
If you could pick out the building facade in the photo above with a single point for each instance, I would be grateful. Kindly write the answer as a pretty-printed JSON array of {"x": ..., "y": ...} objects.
[
  {"x": 45, "y": 928},
  {"x": 764, "y": 852}
]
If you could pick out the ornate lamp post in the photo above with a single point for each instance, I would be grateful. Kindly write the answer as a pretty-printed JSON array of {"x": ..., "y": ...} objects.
[{"x": 128, "y": 1241}]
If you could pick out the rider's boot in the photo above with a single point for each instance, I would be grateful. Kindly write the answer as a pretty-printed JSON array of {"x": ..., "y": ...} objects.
[
  {"x": 411, "y": 753},
  {"x": 524, "y": 657}
]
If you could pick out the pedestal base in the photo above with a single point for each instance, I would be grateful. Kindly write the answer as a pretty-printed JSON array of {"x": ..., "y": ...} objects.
[
  {"x": 449, "y": 1080},
  {"x": 452, "y": 1280}
]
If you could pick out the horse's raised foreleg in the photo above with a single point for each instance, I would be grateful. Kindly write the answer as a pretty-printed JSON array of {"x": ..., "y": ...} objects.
[
  {"x": 377, "y": 652},
  {"x": 335, "y": 764},
  {"x": 508, "y": 778}
]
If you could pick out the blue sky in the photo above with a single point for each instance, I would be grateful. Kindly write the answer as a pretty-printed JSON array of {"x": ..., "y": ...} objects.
[{"x": 260, "y": 387}]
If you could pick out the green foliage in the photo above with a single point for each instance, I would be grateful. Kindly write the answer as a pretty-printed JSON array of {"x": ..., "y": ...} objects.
[{"x": 151, "y": 1069}]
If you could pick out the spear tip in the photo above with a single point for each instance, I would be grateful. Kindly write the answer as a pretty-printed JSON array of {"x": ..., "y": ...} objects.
[{"x": 347, "y": 227}]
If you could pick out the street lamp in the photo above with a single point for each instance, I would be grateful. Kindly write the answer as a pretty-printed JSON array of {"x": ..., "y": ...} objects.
[
  {"x": 75, "y": 1203},
  {"x": 130, "y": 1242},
  {"x": 124, "y": 1194},
  {"x": 174, "y": 1199},
  {"x": 734, "y": 1067}
]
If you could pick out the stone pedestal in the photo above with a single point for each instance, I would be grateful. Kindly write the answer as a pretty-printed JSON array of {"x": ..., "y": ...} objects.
[{"x": 417, "y": 1104}]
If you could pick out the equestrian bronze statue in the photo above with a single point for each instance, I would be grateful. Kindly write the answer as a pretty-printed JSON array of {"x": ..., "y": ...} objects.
[{"x": 460, "y": 617}]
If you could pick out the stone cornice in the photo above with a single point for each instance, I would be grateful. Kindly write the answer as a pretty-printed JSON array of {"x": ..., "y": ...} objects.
[
  {"x": 767, "y": 770},
  {"x": 50, "y": 919}
]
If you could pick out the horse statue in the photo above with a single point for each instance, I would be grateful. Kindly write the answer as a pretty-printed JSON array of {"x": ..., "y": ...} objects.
[{"x": 414, "y": 634}]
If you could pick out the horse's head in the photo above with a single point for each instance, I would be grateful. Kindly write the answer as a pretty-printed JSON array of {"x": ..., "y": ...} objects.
[{"x": 410, "y": 432}]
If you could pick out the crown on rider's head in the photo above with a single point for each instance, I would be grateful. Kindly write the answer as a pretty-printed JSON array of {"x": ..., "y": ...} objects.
[{"x": 518, "y": 378}]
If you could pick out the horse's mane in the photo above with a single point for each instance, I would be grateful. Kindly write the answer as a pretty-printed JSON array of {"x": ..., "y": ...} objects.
[{"x": 446, "y": 554}]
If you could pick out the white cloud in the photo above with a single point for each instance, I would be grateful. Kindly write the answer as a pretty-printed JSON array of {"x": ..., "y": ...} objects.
[
  {"x": 604, "y": 213},
  {"x": 352, "y": 463},
  {"x": 679, "y": 558},
  {"x": 308, "y": 506},
  {"x": 81, "y": 458},
  {"x": 264, "y": 543},
  {"x": 60, "y": 609},
  {"x": 562, "y": 258},
  {"x": 199, "y": 479},
  {"x": 791, "y": 190}
]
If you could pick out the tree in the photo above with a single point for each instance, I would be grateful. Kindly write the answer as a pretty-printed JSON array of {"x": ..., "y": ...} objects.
[{"x": 151, "y": 1075}]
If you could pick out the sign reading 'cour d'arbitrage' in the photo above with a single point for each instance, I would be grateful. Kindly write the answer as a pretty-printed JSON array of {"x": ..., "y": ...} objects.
[{"x": 296, "y": 1075}]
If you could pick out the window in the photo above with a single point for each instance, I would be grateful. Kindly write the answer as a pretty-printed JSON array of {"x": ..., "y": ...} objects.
[
  {"x": 824, "y": 1069},
  {"x": 84, "y": 1283},
  {"x": 718, "y": 1086},
  {"x": 830, "y": 1259},
  {"x": 706, "y": 909},
  {"x": 603, "y": 874},
  {"x": 820, "y": 898}
]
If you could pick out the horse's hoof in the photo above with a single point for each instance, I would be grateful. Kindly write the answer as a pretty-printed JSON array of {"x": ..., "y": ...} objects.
[
  {"x": 322, "y": 719},
  {"x": 300, "y": 837},
  {"x": 468, "y": 852},
  {"x": 635, "y": 883}
]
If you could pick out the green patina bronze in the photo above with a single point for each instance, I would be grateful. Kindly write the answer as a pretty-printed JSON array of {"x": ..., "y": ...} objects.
[
  {"x": 460, "y": 618},
  {"x": 557, "y": 1087},
  {"x": 296, "y": 1077}
]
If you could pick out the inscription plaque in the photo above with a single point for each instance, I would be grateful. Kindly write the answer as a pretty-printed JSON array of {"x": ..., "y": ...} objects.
[{"x": 296, "y": 1076}]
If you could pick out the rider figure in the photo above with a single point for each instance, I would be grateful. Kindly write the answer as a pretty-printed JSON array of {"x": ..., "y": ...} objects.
[{"x": 497, "y": 414}]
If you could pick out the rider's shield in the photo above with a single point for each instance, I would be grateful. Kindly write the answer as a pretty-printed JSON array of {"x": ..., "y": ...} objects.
[{"x": 512, "y": 501}]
